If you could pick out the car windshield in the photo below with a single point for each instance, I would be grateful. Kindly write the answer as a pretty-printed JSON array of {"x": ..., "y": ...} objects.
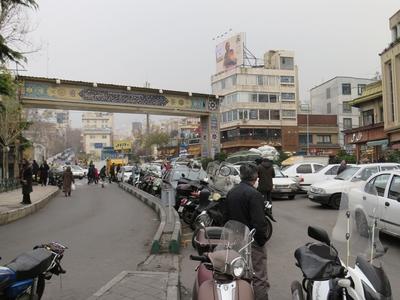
[
  {"x": 348, "y": 173},
  {"x": 278, "y": 172}
]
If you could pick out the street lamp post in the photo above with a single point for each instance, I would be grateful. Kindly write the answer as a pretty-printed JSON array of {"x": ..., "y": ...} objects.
[{"x": 307, "y": 108}]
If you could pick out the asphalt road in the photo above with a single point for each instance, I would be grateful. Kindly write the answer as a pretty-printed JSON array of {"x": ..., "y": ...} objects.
[
  {"x": 290, "y": 232},
  {"x": 106, "y": 229}
]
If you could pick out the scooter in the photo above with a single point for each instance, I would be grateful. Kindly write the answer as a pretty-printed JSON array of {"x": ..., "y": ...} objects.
[
  {"x": 326, "y": 276},
  {"x": 226, "y": 272},
  {"x": 24, "y": 277}
]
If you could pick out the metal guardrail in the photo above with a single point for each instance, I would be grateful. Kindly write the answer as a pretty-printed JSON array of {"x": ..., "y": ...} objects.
[{"x": 9, "y": 184}]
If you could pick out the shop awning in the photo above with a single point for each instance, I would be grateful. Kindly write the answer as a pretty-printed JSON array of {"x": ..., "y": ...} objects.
[{"x": 378, "y": 143}]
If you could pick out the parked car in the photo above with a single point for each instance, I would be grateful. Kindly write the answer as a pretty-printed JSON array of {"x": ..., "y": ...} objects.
[
  {"x": 77, "y": 171},
  {"x": 327, "y": 172},
  {"x": 329, "y": 192},
  {"x": 381, "y": 191},
  {"x": 225, "y": 176},
  {"x": 302, "y": 171},
  {"x": 124, "y": 173}
]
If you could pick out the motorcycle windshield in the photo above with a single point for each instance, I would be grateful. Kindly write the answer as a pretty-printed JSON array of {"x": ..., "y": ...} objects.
[
  {"x": 355, "y": 234},
  {"x": 236, "y": 243}
]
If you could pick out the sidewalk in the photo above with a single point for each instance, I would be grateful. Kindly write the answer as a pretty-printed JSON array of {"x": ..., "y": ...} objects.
[{"x": 11, "y": 208}]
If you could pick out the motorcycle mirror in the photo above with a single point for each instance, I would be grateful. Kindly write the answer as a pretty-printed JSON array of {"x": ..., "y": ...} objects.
[{"x": 319, "y": 234}]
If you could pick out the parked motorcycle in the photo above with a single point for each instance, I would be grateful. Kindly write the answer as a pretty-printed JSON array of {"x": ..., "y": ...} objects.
[
  {"x": 24, "y": 277},
  {"x": 226, "y": 273},
  {"x": 359, "y": 273}
]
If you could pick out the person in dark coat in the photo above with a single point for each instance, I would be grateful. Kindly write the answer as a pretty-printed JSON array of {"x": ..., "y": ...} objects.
[
  {"x": 112, "y": 172},
  {"x": 265, "y": 174},
  {"x": 26, "y": 182},
  {"x": 342, "y": 167},
  {"x": 246, "y": 205},
  {"x": 68, "y": 179},
  {"x": 44, "y": 173},
  {"x": 35, "y": 169}
]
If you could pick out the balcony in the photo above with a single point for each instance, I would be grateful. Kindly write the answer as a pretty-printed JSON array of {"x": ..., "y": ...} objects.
[{"x": 248, "y": 142}]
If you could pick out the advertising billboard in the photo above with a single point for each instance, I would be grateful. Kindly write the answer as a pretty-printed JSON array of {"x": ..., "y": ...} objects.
[
  {"x": 123, "y": 145},
  {"x": 229, "y": 53}
]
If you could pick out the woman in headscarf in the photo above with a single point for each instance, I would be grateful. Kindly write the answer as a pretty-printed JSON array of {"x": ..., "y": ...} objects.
[{"x": 68, "y": 179}]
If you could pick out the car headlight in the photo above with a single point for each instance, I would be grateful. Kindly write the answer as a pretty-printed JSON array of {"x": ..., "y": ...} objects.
[
  {"x": 238, "y": 266},
  {"x": 317, "y": 190}
]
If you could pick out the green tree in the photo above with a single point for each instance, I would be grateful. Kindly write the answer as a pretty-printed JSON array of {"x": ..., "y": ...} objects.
[
  {"x": 13, "y": 28},
  {"x": 11, "y": 122},
  {"x": 156, "y": 139}
]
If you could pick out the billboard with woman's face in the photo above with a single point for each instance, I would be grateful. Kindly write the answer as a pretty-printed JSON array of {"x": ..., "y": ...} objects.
[{"x": 229, "y": 53}]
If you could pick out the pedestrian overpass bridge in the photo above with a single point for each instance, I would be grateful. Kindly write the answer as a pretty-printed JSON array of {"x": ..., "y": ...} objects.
[{"x": 51, "y": 93}]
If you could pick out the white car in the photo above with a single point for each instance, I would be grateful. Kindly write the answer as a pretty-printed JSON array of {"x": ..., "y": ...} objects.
[
  {"x": 380, "y": 193},
  {"x": 124, "y": 173},
  {"x": 329, "y": 192},
  {"x": 226, "y": 176},
  {"x": 77, "y": 171},
  {"x": 303, "y": 172}
]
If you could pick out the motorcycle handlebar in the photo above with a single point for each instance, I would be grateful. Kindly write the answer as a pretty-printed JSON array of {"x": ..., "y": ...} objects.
[{"x": 201, "y": 258}]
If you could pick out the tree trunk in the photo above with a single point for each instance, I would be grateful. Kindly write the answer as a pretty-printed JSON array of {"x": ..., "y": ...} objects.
[{"x": 5, "y": 162}]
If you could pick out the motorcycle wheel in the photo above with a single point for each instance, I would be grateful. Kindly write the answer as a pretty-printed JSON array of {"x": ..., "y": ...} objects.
[
  {"x": 297, "y": 290},
  {"x": 187, "y": 216},
  {"x": 269, "y": 229}
]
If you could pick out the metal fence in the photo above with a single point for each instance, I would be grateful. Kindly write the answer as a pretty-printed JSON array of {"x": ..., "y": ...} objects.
[{"x": 9, "y": 184}]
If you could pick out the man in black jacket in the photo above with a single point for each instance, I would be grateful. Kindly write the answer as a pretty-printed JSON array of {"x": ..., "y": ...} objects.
[
  {"x": 245, "y": 204},
  {"x": 265, "y": 174}
]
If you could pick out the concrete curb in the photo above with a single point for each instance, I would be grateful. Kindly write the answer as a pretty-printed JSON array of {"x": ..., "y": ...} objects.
[
  {"x": 153, "y": 203},
  {"x": 18, "y": 213},
  {"x": 175, "y": 243}
]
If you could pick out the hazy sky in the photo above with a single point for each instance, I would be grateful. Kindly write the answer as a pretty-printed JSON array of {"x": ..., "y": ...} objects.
[{"x": 170, "y": 43}]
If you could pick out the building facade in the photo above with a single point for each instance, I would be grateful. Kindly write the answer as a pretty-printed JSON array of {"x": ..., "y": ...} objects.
[
  {"x": 260, "y": 103},
  {"x": 390, "y": 62},
  {"x": 369, "y": 139},
  {"x": 322, "y": 131},
  {"x": 97, "y": 132},
  {"x": 137, "y": 128},
  {"x": 333, "y": 98}
]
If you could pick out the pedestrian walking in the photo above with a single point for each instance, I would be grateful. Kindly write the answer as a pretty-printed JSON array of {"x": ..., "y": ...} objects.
[
  {"x": 245, "y": 204},
  {"x": 26, "y": 182},
  {"x": 95, "y": 175},
  {"x": 35, "y": 169},
  {"x": 342, "y": 167},
  {"x": 90, "y": 174},
  {"x": 68, "y": 179},
  {"x": 265, "y": 174},
  {"x": 112, "y": 172},
  {"x": 44, "y": 173}
]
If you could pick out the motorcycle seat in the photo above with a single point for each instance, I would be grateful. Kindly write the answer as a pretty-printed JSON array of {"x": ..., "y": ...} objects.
[{"x": 32, "y": 263}]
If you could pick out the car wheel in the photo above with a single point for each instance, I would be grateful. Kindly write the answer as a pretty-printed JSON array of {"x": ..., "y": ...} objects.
[
  {"x": 268, "y": 232},
  {"x": 80, "y": 177},
  {"x": 335, "y": 201},
  {"x": 362, "y": 224},
  {"x": 291, "y": 197}
]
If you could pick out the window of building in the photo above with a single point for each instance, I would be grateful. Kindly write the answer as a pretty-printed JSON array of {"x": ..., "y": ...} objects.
[
  {"x": 253, "y": 114},
  {"x": 288, "y": 96},
  {"x": 223, "y": 84},
  {"x": 104, "y": 137},
  {"x": 224, "y": 117},
  {"x": 346, "y": 89},
  {"x": 240, "y": 114},
  {"x": 253, "y": 97},
  {"x": 287, "y": 63},
  {"x": 287, "y": 79},
  {"x": 230, "y": 116},
  {"x": 347, "y": 123},
  {"x": 263, "y": 114},
  {"x": 260, "y": 80},
  {"x": 234, "y": 115},
  {"x": 328, "y": 108},
  {"x": 234, "y": 80},
  {"x": 328, "y": 93},
  {"x": 303, "y": 139},
  {"x": 323, "y": 139},
  {"x": 92, "y": 137},
  {"x": 263, "y": 98},
  {"x": 274, "y": 114},
  {"x": 360, "y": 89},
  {"x": 246, "y": 114},
  {"x": 288, "y": 114},
  {"x": 367, "y": 117},
  {"x": 346, "y": 107},
  {"x": 273, "y": 98}
]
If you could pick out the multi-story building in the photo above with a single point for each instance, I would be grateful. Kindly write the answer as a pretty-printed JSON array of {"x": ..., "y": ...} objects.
[
  {"x": 390, "y": 61},
  {"x": 369, "y": 138},
  {"x": 137, "y": 128},
  {"x": 260, "y": 100},
  {"x": 322, "y": 131},
  {"x": 97, "y": 132},
  {"x": 333, "y": 98}
]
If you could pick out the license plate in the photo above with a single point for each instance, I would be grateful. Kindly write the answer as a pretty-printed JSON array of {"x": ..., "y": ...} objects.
[
  {"x": 311, "y": 196},
  {"x": 285, "y": 190},
  {"x": 180, "y": 209}
]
